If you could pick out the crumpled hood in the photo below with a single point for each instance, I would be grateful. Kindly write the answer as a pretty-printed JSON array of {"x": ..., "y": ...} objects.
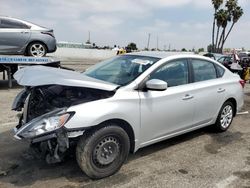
[{"x": 41, "y": 75}]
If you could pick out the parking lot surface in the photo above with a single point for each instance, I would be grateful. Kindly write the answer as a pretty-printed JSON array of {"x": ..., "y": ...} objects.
[{"x": 197, "y": 159}]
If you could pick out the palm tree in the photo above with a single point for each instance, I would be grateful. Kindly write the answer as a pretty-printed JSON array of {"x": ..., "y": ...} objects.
[
  {"x": 216, "y": 4},
  {"x": 230, "y": 5},
  {"x": 237, "y": 12},
  {"x": 224, "y": 18},
  {"x": 230, "y": 13},
  {"x": 220, "y": 17}
]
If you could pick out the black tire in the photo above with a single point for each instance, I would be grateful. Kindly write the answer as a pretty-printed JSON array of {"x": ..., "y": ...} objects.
[
  {"x": 222, "y": 124},
  {"x": 36, "y": 49},
  {"x": 103, "y": 152}
]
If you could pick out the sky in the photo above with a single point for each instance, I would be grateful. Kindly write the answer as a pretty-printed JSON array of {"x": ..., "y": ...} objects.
[{"x": 176, "y": 23}]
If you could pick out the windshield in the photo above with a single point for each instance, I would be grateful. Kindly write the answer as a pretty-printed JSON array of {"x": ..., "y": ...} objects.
[
  {"x": 225, "y": 59},
  {"x": 121, "y": 70},
  {"x": 221, "y": 59}
]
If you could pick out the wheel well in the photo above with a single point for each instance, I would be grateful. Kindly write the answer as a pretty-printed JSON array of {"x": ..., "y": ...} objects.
[
  {"x": 124, "y": 125},
  {"x": 34, "y": 41},
  {"x": 233, "y": 101}
]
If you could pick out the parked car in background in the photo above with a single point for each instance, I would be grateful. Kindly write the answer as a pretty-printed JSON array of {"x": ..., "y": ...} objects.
[
  {"x": 123, "y": 104},
  {"x": 22, "y": 37},
  {"x": 226, "y": 60},
  {"x": 214, "y": 56},
  {"x": 243, "y": 55}
]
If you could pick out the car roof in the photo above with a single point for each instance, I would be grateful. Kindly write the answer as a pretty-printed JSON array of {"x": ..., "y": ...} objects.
[
  {"x": 9, "y": 17},
  {"x": 23, "y": 21},
  {"x": 159, "y": 54},
  {"x": 225, "y": 56},
  {"x": 168, "y": 56},
  {"x": 215, "y": 55}
]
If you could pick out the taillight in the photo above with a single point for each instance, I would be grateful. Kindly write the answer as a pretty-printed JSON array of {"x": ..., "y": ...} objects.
[
  {"x": 48, "y": 33},
  {"x": 242, "y": 83}
]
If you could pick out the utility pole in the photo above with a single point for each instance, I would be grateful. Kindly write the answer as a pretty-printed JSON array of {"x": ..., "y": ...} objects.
[
  {"x": 148, "y": 41},
  {"x": 157, "y": 42},
  {"x": 165, "y": 47},
  {"x": 88, "y": 41}
]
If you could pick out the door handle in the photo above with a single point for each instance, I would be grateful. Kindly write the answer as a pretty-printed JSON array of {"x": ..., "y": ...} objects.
[
  {"x": 220, "y": 90},
  {"x": 187, "y": 97}
]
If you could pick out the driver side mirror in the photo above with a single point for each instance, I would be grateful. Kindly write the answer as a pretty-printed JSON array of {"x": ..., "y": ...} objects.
[{"x": 156, "y": 84}]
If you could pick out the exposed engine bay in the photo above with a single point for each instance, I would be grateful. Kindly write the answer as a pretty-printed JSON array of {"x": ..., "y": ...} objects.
[
  {"x": 44, "y": 99},
  {"x": 44, "y": 104}
]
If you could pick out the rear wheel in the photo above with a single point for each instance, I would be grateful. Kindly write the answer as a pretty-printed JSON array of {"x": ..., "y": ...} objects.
[
  {"x": 36, "y": 49},
  {"x": 103, "y": 152},
  {"x": 225, "y": 116}
]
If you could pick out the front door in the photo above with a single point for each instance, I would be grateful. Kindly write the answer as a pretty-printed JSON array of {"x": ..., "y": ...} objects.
[{"x": 166, "y": 112}]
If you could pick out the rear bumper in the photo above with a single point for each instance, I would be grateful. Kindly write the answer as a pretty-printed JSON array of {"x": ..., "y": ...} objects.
[
  {"x": 240, "y": 102},
  {"x": 51, "y": 45}
]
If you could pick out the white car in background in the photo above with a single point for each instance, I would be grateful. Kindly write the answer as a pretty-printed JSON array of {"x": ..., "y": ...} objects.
[{"x": 123, "y": 104}]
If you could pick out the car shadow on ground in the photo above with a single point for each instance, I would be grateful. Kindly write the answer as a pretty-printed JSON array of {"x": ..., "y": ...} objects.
[{"x": 20, "y": 168}]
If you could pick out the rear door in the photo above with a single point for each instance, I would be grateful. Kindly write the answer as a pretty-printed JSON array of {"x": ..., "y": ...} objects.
[
  {"x": 209, "y": 90},
  {"x": 14, "y": 35}
]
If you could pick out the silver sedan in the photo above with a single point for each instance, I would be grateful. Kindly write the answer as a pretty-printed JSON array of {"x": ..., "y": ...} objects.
[
  {"x": 22, "y": 37},
  {"x": 123, "y": 104}
]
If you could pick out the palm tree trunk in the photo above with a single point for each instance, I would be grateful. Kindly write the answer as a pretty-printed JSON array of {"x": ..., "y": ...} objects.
[
  {"x": 223, "y": 42},
  {"x": 213, "y": 35},
  {"x": 217, "y": 35},
  {"x": 220, "y": 45},
  {"x": 221, "y": 38}
]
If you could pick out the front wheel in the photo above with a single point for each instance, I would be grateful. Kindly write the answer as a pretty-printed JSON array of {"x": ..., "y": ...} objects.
[
  {"x": 36, "y": 49},
  {"x": 225, "y": 117},
  {"x": 103, "y": 152}
]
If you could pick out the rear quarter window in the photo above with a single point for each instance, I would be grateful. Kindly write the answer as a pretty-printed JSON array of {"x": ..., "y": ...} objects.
[
  {"x": 203, "y": 70},
  {"x": 220, "y": 71}
]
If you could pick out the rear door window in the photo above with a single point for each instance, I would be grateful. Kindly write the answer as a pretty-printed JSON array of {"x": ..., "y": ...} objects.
[
  {"x": 12, "y": 24},
  {"x": 203, "y": 70}
]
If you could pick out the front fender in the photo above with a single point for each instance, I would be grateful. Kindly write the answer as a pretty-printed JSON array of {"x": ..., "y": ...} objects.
[{"x": 96, "y": 112}]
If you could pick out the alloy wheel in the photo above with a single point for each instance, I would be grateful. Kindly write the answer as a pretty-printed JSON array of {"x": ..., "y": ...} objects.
[
  {"x": 37, "y": 50},
  {"x": 226, "y": 116}
]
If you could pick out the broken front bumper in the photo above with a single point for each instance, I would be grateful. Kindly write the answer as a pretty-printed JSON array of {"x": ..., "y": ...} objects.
[{"x": 52, "y": 146}]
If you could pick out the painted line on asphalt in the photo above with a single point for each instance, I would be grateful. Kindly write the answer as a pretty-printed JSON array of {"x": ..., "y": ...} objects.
[{"x": 242, "y": 113}]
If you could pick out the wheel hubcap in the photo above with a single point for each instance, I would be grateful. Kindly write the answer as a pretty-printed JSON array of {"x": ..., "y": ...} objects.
[
  {"x": 226, "y": 116},
  {"x": 37, "y": 50},
  {"x": 106, "y": 151}
]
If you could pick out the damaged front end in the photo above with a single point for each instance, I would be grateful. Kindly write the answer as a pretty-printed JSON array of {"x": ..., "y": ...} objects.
[{"x": 44, "y": 114}]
